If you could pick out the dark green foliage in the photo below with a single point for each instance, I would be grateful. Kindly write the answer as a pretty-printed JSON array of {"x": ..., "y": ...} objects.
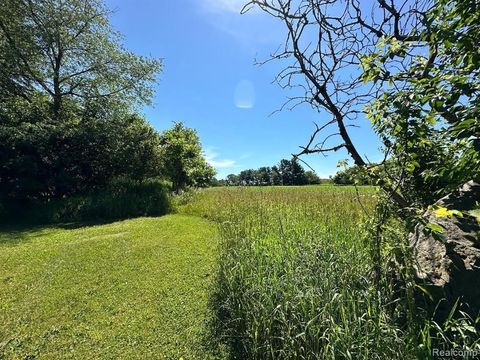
[
  {"x": 68, "y": 120},
  {"x": 68, "y": 89},
  {"x": 183, "y": 161},
  {"x": 264, "y": 175},
  {"x": 287, "y": 172},
  {"x": 248, "y": 177},
  {"x": 291, "y": 172},
  {"x": 312, "y": 178},
  {"x": 276, "y": 178},
  {"x": 353, "y": 175},
  {"x": 232, "y": 180},
  {"x": 122, "y": 198},
  {"x": 43, "y": 159}
]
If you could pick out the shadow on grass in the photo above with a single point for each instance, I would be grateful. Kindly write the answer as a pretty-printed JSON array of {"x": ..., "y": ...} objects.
[
  {"x": 16, "y": 232},
  {"x": 223, "y": 335}
]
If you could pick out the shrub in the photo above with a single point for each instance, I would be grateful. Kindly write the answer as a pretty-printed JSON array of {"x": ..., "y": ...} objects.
[{"x": 122, "y": 198}]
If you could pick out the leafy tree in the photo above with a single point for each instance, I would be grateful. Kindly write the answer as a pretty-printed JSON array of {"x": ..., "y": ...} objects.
[
  {"x": 292, "y": 172},
  {"x": 232, "y": 180},
  {"x": 297, "y": 173},
  {"x": 67, "y": 92},
  {"x": 67, "y": 49},
  {"x": 219, "y": 182},
  {"x": 276, "y": 178},
  {"x": 264, "y": 176},
  {"x": 40, "y": 158},
  {"x": 352, "y": 175},
  {"x": 183, "y": 162},
  {"x": 201, "y": 173},
  {"x": 312, "y": 178},
  {"x": 430, "y": 121},
  {"x": 247, "y": 177},
  {"x": 287, "y": 172}
]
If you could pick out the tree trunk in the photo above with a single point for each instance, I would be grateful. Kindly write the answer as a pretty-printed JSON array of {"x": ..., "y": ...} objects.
[{"x": 449, "y": 267}]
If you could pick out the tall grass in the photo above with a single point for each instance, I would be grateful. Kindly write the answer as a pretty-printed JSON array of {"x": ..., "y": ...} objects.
[
  {"x": 295, "y": 274},
  {"x": 123, "y": 198}
]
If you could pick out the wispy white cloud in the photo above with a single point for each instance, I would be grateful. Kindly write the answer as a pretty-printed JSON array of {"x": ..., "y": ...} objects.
[
  {"x": 212, "y": 158},
  {"x": 249, "y": 30},
  {"x": 223, "y": 164}
]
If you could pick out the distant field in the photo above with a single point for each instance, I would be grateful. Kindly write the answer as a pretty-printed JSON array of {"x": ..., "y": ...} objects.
[
  {"x": 133, "y": 289},
  {"x": 219, "y": 203}
]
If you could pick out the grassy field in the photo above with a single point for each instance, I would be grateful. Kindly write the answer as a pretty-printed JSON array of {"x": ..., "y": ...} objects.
[
  {"x": 255, "y": 273},
  {"x": 134, "y": 289},
  {"x": 296, "y": 277}
]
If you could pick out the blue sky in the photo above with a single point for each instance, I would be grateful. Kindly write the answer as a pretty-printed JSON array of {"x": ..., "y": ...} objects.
[{"x": 210, "y": 82}]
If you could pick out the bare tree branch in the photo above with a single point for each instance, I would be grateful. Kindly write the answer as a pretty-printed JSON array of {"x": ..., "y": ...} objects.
[{"x": 325, "y": 42}]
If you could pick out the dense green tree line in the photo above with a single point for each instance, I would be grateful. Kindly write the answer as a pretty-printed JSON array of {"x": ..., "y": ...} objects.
[
  {"x": 286, "y": 172},
  {"x": 353, "y": 175},
  {"x": 69, "y": 99}
]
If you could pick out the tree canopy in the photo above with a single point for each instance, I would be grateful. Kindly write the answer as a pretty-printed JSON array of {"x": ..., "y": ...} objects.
[
  {"x": 41, "y": 158},
  {"x": 68, "y": 49},
  {"x": 183, "y": 160},
  {"x": 69, "y": 98},
  {"x": 353, "y": 175}
]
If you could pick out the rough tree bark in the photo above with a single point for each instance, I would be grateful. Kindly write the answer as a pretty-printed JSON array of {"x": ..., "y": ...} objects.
[{"x": 449, "y": 269}]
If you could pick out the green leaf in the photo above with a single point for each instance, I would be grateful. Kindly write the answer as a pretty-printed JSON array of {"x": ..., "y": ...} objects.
[
  {"x": 435, "y": 228},
  {"x": 425, "y": 291},
  {"x": 410, "y": 167}
]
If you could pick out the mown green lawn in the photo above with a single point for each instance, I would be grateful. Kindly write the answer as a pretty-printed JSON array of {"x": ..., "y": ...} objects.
[{"x": 134, "y": 289}]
